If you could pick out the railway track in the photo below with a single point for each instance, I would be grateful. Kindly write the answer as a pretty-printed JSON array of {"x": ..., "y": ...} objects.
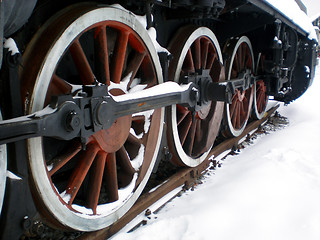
[{"x": 185, "y": 177}]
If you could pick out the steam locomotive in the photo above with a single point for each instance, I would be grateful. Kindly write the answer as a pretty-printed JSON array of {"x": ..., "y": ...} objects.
[{"x": 95, "y": 93}]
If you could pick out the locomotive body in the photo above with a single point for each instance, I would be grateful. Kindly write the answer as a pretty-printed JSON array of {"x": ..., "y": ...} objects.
[{"x": 83, "y": 99}]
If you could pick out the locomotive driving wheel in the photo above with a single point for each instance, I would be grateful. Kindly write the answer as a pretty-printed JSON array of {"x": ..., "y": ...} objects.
[
  {"x": 239, "y": 59},
  {"x": 191, "y": 134},
  {"x": 260, "y": 97},
  {"x": 89, "y": 187}
]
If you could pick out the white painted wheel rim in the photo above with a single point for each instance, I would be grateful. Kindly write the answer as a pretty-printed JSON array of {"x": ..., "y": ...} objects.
[
  {"x": 83, "y": 222},
  {"x": 233, "y": 131},
  {"x": 184, "y": 157}
]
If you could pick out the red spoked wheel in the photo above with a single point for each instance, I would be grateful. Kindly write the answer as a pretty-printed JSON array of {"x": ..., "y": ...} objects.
[
  {"x": 89, "y": 188},
  {"x": 191, "y": 138},
  {"x": 240, "y": 58},
  {"x": 260, "y": 97}
]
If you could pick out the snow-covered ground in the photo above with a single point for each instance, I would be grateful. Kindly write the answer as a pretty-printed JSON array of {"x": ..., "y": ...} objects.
[{"x": 270, "y": 191}]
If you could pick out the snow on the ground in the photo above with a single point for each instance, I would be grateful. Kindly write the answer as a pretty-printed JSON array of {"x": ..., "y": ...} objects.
[{"x": 270, "y": 191}]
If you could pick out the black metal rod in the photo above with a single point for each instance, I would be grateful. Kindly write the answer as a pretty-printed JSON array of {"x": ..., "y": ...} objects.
[{"x": 18, "y": 129}]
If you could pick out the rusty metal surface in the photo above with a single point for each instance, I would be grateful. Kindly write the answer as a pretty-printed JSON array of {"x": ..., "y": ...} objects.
[{"x": 186, "y": 176}]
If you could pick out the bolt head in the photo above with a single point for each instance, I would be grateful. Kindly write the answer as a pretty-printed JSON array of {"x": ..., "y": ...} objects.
[{"x": 73, "y": 121}]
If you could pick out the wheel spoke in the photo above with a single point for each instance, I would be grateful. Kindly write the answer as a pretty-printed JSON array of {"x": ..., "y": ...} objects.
[
  {"x": 81, "y": 62},
  {"x": 57, "y": 87},
  {"x": 235, "y": 114},
  {"x": 134, "y": 140},
  {"x": 243, "y": 112},
  {"x": 249, "y": 61},
  {"x": 111, "y": 177},
  {"x": 236, "y": 65},
  {"x": 233, "y": 105},
  {"x": 188, "y": 145},
  {"x": 204, "y": 53},
  {"x": 261, "y": 102},
  {"x": 200, "y": 129},
  {"x": 182, "y": 112},
  {"x": 238, "y": 115},
  {"x": 217, "y": 71},
  {"x": 245, "y": 99},
  {"x": 197, "y": 54},
  {"x": 61, "y": 86},
  {"x": 184, "y": 128},
  {"x": 59, "y": 161},
  {"x": 188, "y": 63},
  {"x": 134, "y": 66},
  {"x": 80, "y": 171},
  {"x": 119, "y": 55},
  {"x": 232, "y": 109},
  {"x": 126, "y": 171},
  {"x": 242, "y": 57},
  {"x": 124, "y": 161},
  {"x": 211, "y": 59},
  {"x": 259, "y": 98},
  {"x": 102, "y": 55},
  {"x": 96, "y": 180}
]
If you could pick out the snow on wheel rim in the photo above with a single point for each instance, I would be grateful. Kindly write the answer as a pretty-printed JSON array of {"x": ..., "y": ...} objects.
[
  {"x": 186, "y": 37},
  {"x": 79, "y": 219},
  {"x": 245, "y": 42},
  {"x": 3, "y": 170}
]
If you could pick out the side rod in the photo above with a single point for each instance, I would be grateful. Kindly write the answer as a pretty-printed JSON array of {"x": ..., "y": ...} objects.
[
  {"x": 94, "y": 109},
  {"x": 70, "y": 117}
]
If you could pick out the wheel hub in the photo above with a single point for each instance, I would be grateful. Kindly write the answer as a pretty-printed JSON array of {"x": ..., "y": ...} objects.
[
  {"x": 202, "y": 79},
  {"x": 111, "y": 139}
]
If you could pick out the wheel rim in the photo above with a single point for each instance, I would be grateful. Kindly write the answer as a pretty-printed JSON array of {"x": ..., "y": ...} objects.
[
  {"x": 190, "y": 139},
  {"x": 237, "y": 113},
  {"x": 90, "y": 189},
  {"x": 260, "y": 99},
  {"x": 3, "y": 170}
]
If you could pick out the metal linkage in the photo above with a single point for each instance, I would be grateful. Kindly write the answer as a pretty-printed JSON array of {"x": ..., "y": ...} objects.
[
  {"x": 220, "y": 91},
  {"x": 94, "y": 109}
]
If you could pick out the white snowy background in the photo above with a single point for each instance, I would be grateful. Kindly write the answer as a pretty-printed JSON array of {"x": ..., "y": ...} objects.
[{"x": 271, "y": 190}]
